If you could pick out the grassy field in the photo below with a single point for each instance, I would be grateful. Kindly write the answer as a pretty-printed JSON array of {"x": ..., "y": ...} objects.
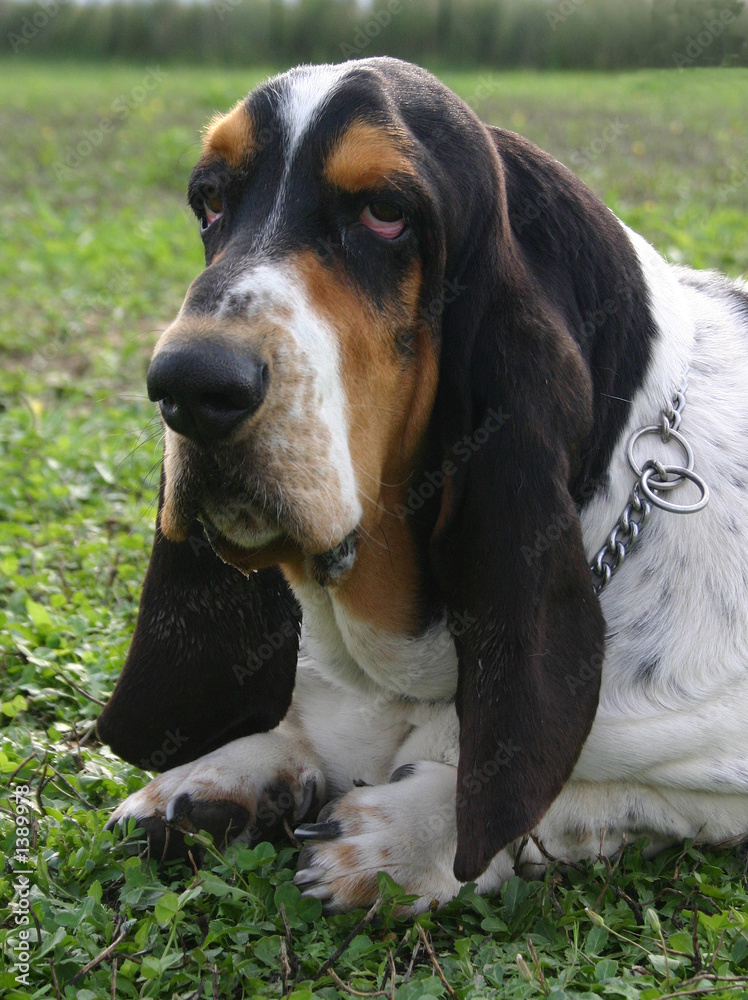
[{"x": 98, "y": 248}]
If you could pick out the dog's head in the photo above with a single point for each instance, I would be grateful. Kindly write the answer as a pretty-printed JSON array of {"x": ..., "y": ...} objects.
[
  {"x": 301, "y": 372},
  {"x": 380, "y": 310}
]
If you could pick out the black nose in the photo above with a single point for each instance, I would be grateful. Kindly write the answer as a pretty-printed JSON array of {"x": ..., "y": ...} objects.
[{"x": 206, "y": 390}]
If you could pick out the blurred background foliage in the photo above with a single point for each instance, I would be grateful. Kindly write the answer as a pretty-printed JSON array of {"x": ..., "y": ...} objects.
[{"x": 542, "y": 34}]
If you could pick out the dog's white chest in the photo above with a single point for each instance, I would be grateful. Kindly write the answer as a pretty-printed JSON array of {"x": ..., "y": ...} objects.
[{"x": 361, "y": 655}]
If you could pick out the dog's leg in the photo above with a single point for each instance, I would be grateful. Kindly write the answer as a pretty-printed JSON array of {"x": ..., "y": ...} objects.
[
  {"x": 406, "y": 828},
  {"x": 242, "y": 791},
  {"x": 330, "y": 739},
  {"x": 589, "y": 819}
]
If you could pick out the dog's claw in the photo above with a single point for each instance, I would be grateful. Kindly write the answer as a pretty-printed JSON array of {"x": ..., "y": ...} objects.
[
  {"x": 310, "y": 793},
  {"x": 402, "y": 772},
  {"x": 179, "y": 808},
  {"x": 321, "y": 892},
  {"x": 318, "y": 831},
  {"x": 309, "y": 881},
  {"x": 307, "y": 876}
]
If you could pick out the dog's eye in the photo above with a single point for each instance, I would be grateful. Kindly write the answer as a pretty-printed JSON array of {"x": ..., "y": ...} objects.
[
  {"x": 384, "y": 218},
  {"x": 212, "y": 206}
]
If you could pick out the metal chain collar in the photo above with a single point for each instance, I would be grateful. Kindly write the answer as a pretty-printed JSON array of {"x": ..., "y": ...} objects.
[{"x": 652, "y": 478}]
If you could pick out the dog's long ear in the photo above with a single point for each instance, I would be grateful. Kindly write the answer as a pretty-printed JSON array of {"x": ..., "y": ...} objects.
[
  {"x": 213, "y": 656},
  {"x": 512, "y": 412}
]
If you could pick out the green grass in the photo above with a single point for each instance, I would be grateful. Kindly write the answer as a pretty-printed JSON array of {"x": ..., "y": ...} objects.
[{"x": 95, "y": 262}]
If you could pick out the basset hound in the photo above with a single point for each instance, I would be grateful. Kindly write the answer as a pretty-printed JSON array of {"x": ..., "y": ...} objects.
[{"x": 418, "y": 407}]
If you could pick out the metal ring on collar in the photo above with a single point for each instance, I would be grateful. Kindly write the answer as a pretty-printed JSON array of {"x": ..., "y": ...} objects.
[
  {"x": 674, "y": 508},
  {"x": 654, "y": 429}
]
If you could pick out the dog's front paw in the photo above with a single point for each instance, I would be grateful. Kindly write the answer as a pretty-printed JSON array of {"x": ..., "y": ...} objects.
[
  {"x": 242, "y": 791},
  {"x": 406, "y": 829}
]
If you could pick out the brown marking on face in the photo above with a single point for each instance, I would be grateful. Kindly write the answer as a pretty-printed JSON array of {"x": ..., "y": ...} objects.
[
  {"x": 383, "y": 588},
  {"x": 389, "y": 401},
  {"x": 389, "y": 395},
  {"x": 366, "y": 154},
  {"x": 230, "y": 136},
  {"x": 173, "y": 522}
]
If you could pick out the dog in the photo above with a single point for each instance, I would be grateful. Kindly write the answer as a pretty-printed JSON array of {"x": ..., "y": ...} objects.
[{"x": 419, "y": 406}]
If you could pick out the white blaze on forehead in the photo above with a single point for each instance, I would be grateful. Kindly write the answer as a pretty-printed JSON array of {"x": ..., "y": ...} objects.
[
  {"x": 303, "y": 94},
  {"x": 277, "y": 293}
]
